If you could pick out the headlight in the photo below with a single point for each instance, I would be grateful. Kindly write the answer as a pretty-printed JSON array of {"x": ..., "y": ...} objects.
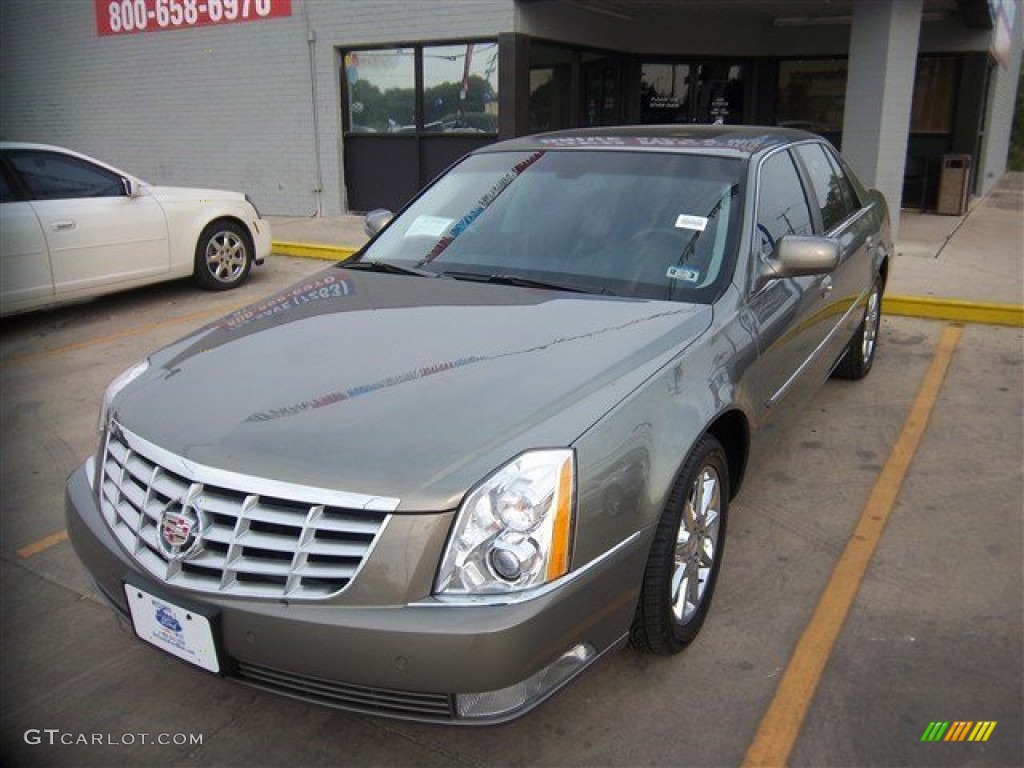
[
  {"x": 116, "y": 386},
  {"x": 514, "y": 530},
  {"x": 250, "y": 202}
]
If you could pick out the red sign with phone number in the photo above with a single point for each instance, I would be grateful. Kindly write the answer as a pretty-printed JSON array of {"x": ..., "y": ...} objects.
[{"x": 128, "y": 17}]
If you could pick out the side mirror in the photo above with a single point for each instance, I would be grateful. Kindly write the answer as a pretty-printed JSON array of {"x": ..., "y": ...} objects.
[
  {"x": 796, "y": 255},
  {"x": 376, "y": 220},
  {"x": 131, "y": 187}
]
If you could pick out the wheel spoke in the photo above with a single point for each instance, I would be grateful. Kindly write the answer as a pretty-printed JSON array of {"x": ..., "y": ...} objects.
[
  {"x": 694, "y": 586},
  {"x": 696, "y": 542},
  {"x": 226, "y": 257}
]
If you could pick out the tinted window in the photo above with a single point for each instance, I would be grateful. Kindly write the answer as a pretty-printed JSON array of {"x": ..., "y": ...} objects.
[
  {"x": 51, "y": 176},
  {"x": 849, "y": 195},
  {"x": 651, "y": 225},
  {"x": 811, "y": 95},
  {"x": 781, "y": 206},
  {"x": 381, "y": 90},
  {"x": 460, "y": 88},
  {"x": 431, "y": 89},
  {"x": 6, "y": 193},
  {"x": 828, "y": 185}
]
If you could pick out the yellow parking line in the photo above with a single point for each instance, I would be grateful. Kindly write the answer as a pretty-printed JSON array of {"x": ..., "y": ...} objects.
[
  {"x": 110, "y": 337},
  {"x": 784, "y": 717},
  {"x": 43, "y": 544}
]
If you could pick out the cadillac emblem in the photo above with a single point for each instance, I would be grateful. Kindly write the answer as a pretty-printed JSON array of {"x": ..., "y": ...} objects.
[{"x": 179, "y": 530}]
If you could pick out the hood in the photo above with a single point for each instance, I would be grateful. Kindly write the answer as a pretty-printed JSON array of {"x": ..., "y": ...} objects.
[
  {"x": 190, "y": 194},
  {"x": 405, "y": 387}
]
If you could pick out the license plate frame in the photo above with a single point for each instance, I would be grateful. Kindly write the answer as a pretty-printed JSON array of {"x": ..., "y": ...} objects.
[{"x": 179, "y": 631}]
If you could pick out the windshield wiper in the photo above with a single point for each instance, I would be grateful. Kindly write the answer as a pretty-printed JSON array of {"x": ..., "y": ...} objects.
[
  {"x": 517, "y": 280},
  {"x": 387, "y": 267}
]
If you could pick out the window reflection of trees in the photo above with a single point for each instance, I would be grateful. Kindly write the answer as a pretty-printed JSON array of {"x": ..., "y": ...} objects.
[{"x": 459, "y": 91}]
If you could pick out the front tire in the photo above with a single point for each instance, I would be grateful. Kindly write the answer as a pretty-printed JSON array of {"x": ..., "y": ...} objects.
[
  {"x": 224, "y": 256},
  {"x": 859, "y": 356},
  {"x": 682, "y": 568}
]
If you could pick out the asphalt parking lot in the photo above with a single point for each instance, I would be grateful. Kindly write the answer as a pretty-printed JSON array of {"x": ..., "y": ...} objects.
[{"x": 934, "y": 632}]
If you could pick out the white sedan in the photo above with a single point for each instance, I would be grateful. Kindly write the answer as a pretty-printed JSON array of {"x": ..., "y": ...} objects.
[{"x": 72, "y": 227}]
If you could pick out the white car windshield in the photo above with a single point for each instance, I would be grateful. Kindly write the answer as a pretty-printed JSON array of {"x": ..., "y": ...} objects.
[{"x": 638, "y": 224}]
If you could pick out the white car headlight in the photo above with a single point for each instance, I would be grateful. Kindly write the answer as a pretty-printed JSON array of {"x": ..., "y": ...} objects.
[
  {"x": 254, "y": 208},
  {"x": 514, "y": 530},
  {"x": 116, "y": 386}
]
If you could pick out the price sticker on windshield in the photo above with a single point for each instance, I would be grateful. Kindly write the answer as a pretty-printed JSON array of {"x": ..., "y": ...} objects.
[
  {"x": 126, "y": 17},
  {"x": 696, "y": 223}
]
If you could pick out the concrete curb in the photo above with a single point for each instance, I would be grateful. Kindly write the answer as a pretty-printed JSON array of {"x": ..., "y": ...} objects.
[
  {"x": 956, "y": 310},
  {"x": 906, "y": 306},
  {"x": 312, "y": 250}
]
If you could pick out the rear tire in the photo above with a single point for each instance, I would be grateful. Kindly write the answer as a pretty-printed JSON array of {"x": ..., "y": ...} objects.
[
  {"x": 856, "y": 362},
  {"x": 224, "y": 256},
  {"x": 682, "y": 568}
]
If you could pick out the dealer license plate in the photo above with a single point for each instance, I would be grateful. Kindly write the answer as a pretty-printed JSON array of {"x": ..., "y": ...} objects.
[{"x": 182, "y": 633}]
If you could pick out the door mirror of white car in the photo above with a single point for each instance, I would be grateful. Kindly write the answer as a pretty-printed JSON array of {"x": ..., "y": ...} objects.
[
  {"x": 376, "y": 220},
  {"x": 131, "y": 187},
  {"x": 797, "y": 255}
]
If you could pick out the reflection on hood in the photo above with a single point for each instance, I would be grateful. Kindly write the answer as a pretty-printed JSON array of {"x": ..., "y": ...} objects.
[
  {"x": 429, "y": 370},
  {"x": 320, "y": 287}
]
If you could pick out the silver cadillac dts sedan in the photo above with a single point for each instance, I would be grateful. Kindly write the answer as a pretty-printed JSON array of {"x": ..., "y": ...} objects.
[{"x": 440, "y": 479}]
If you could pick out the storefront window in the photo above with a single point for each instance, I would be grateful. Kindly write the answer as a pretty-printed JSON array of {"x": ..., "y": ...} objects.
[
  {"x": 549, "y": 90},
  {"x": 601, "y": 84},
  {"x": 811, "y": 95},
  {"x": 550, "y": 87},
  {"x": 934, "y": 91},
  {"x": 665, "y": 93},
  {"x": 381, "y": 90},
  {"x": 460, "y": 88},
  {"x": 720, "y": 93}
]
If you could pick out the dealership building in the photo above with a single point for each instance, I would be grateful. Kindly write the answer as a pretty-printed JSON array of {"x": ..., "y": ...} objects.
[{"x": 318, "y": 107}]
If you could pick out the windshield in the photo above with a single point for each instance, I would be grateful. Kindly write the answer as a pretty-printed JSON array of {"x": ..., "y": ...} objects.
[{"x": 639, "y": 224}]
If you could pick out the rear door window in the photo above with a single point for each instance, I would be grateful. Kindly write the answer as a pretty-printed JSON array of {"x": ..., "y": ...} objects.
[{"x": 831, "y": 189}]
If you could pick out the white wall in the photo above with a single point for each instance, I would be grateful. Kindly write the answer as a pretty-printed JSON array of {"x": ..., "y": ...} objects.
[
  {"x": 219, "y": 106},
  {"x": 999, "y": 116}
]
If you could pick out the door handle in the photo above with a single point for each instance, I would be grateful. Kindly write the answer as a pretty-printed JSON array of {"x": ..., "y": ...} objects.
[
  {"x": 62, "y": 226},
  {"x": 826, "y": 286}
]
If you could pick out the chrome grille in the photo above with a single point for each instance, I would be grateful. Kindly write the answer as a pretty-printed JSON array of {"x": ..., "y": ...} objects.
[
  {"x": 377, "y": 701},
  {"x": 250, "y": 544}
]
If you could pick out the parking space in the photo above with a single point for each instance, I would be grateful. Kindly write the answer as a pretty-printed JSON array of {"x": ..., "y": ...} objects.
[{"x": 934, "y": 632}]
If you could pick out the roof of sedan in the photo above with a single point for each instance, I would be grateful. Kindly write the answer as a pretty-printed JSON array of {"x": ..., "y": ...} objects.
[{"x": 717, "y": 139}]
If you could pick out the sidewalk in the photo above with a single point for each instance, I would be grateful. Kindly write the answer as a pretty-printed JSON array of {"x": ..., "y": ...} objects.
[{"x": 968, "y": 268}]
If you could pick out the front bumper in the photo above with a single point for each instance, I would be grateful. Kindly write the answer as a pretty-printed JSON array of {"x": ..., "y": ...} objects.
[
  {"x": 262, "y": 239},
  {"x": 418, "y": 661}
]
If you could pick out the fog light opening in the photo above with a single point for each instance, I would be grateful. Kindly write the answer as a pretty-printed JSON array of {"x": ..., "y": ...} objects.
[{"x": 528, "y": 692}]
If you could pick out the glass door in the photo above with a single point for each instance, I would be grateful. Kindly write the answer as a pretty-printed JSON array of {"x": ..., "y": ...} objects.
[
  {"x": 601, "y": 90},
  {"x": 719, "y": 94}
]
